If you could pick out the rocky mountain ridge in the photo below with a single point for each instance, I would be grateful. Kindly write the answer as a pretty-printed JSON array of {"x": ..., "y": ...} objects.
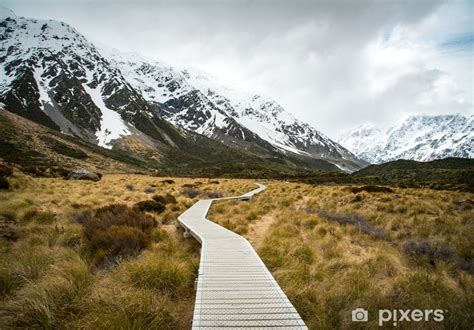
[{"x": 421, "y": 138}]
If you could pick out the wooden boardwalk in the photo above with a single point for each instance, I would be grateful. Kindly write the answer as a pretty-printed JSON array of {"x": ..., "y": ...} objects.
[{"x": 234, "y": 287}]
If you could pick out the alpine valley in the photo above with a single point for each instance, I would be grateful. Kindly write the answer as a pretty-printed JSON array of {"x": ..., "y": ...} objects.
[{"x": 164, "y": 117}]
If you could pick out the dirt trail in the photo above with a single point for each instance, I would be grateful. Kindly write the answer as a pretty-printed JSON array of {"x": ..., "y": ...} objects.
[{"x": 259, "y": 230}]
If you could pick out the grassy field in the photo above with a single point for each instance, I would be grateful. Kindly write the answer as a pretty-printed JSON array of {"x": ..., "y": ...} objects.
[
  {"x": 59, "y": 269},
  {"x": 107, "y": 254},
  {"x": 333, "y": 250}
]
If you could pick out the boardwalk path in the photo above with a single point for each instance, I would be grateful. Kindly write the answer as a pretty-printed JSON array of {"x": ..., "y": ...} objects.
[{"x": 234, "y": 287}]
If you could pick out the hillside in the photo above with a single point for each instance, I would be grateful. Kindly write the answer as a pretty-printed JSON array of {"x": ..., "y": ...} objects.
[{"x": 34, "y": 146}]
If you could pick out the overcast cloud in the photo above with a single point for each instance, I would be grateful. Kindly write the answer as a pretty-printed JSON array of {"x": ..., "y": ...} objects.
[{"x": 334, "y": 64}]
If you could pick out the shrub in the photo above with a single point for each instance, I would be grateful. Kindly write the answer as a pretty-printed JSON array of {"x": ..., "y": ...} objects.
[
  {"x": 214, "y": 194},
  {"x": 433, "y": 251},
  {"x": 81, "y": 217},
  {"x": 130, "y": 187},
  {"x": 5, "y": 170},
  {"x": 150, "y": 190},
  {"x": 190, "y": 192},
  {"x": 369, "y": 189},
  {"x": 117, "y": 231},
  {"x": 150, "y": 206},
  {"x": 8, "y": 229},
  {"x": 4, "y": 184},
  {"x": 357, "y": 220},
  {"x": 166, "y": 199}
]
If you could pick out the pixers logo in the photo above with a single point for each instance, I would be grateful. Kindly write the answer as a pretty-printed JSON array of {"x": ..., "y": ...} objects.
[{"x": 396, "y": 316}]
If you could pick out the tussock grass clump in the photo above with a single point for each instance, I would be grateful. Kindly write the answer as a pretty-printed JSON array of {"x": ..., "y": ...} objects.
[
  {"x": 23, "y": 263},
  {"x": 130, "y": 308},
  {"x": 165, "y": 274},
  {"x": 117, "y": 231},
  {"x": 160, "y": 235},
  {"x": 55, "y": 299},
  {"x": 41, "y": 217}
]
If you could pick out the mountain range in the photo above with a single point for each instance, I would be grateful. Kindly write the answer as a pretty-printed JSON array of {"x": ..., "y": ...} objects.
[
  {"x": 421, "y": 138},
  {"x": 53, "y": 75},
  {"x": 169, "y": 117}
]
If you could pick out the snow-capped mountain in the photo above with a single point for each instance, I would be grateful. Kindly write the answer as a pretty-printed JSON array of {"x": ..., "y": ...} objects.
[
  {"x": 198, "y": 102},
  {"x": 51, "y": 74},
  {"x": 420, "y": 138}
]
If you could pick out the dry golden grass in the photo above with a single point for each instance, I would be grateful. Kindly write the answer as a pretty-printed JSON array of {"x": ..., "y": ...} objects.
[
  {"x": 49, "y": 280},
  {"x": 328, "y": 269}
]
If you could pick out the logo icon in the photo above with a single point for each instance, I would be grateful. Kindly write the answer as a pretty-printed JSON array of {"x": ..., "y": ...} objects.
[{"x": 360, "y": 315}]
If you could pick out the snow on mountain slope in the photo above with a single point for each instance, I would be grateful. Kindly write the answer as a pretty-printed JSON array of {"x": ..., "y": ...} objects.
[
  {"x": 198, "y": 102},
  {"x": 420, "y": 138},
  {"x": 53, "y": 75}
]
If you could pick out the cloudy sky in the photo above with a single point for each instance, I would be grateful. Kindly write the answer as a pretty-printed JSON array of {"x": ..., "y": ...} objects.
[{"x": 335, "y": 64}]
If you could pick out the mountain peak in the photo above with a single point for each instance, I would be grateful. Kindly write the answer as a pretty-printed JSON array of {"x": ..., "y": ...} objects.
[
  {"x": 196, "y": 101},
  {"x": 418, "y": 137},
  {"x": 55, "y": 76}
]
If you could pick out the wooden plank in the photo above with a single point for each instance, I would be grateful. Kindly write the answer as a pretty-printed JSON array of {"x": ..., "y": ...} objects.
[{"x": 234, "y": 287}]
